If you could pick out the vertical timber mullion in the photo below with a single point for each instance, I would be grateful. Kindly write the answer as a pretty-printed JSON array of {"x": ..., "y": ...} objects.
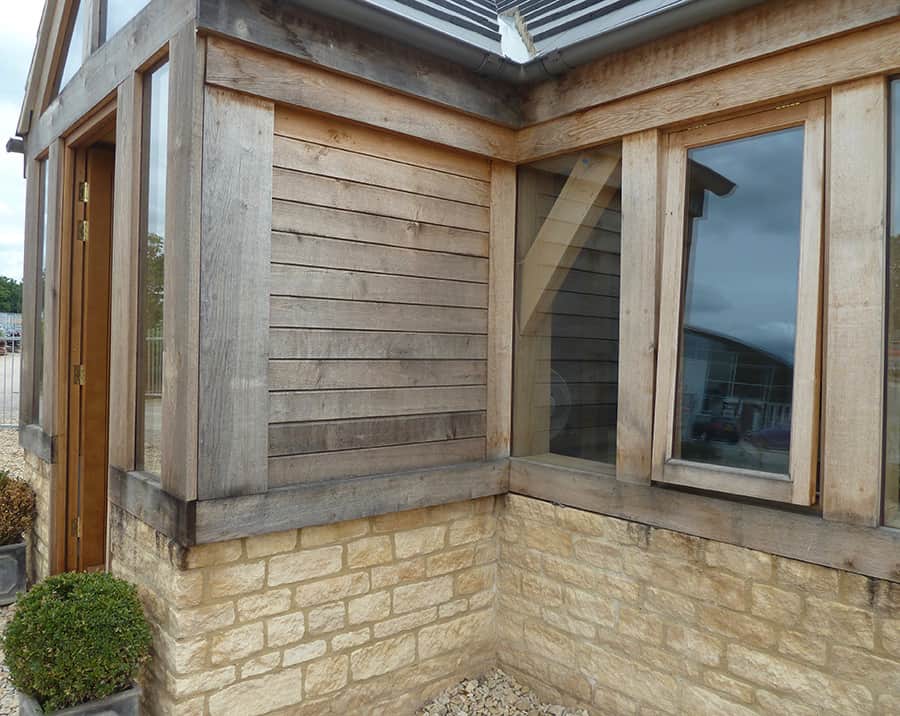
[
  {"x": 181, "y": 333},
  {"x": 125, "y": 261},
  {"x": 500, "y": 309},
  {"x": 235, "y": 258},
  {"x": 50, "y": 423},
  {"x": 641, "y": 182},
  {"x": 31, "y": 267},
  {"x": 855, "y": 304}
]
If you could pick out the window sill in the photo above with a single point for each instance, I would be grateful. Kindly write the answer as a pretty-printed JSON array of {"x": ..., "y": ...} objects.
[
  {"x": 33, "y": 439},
  {"x": 870, "y": 551}
]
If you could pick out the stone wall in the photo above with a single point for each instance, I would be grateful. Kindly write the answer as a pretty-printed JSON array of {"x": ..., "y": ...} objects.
[
  {"x": 38, "y": 474},
  {"x": 372, "y": 616},
  {"x": 621, "y": 618}
]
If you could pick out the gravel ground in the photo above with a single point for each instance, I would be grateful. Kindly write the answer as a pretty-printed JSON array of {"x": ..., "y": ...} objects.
[
  {"x": 11, "y": 456},
  {"x": 495, "y": 694},
  {"x": 8, "y": 703},
  {"x": 11, "y": 459}
]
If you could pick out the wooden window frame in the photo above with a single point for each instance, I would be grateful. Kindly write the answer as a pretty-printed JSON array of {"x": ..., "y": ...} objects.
[
  {"x": 799, "y": 485},
  {"x": 145, "y": 81}
]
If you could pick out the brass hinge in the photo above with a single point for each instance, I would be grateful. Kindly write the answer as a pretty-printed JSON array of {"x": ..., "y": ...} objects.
[
  {"x": 84, "y": 192},
  {"x": 76, "y": 527},
  {"x": 79, "y": 374},
  {"x": 83, "y": 231}
]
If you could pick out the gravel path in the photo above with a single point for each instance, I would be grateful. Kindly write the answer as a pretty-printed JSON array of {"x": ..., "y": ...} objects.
[
  {"x": 495, "y": 694},
  {"x": 11, "y": 456},
  {"x": 8, "y": 703},
  {"x": 11, "y": 459}
]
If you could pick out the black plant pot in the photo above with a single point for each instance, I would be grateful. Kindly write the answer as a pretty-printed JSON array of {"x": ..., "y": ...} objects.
[
  {"x": 124, "y": 703},
  {"x": 12, "y": 572}
]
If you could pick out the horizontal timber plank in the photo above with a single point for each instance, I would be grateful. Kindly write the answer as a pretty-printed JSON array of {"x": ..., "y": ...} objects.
[
  {"x": 330, "y": 435},
  {"x": 580, "y": 327},
  {"x": 379, "y": 402},
  {"x": 312, "y": 282},
  {"x": 358, "y": 315},
  {"x": 342, "y": 194},
  {"x": 874, "y": 552},
  {"x": 299, "y": 469},
  {"x": 333, "y": 132},
  {"x": 364, "y": 169},
  {"x": 341, "y": 374},
  {"x": 314, "y": 220},
  {"x": 591, "y": 349},
  {"x": 290, "y": 29},
  {"x": 803, "y": 71},
  {"x": 339, "y": 254},
  {"x": 338, "y": 500},
  {"x": 315, "y": 343},
  {"x": 585, "y": 371},
  {"x": 286, "y": 81},
  {"x": 584, "y": 304},
  {"x": 758, "y": 31}
]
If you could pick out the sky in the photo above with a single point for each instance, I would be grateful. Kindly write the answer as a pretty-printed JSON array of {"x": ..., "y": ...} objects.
[
  {"x": 17, "y": 37},
  {"x": 745, "y": 249}
]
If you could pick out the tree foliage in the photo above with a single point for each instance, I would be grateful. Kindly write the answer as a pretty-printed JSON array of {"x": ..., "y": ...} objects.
[{"x": 10, "y": 295}]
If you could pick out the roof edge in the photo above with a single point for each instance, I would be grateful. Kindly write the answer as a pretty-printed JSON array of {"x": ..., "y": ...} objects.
[{"x": 668, "y": 19}]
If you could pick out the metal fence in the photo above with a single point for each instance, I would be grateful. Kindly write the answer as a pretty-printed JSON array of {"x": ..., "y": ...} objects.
[
  {"x": 154, "y": 361},
  {"x": 10, "y": 370}
]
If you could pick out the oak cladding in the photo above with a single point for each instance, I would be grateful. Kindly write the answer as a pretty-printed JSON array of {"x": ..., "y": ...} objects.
[{"x": 378, "y": 303}]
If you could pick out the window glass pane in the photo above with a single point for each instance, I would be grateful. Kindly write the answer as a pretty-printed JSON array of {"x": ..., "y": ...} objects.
[
  {"x": 38, "y": 407},
  {"x": 152, "y": 270},
  {"x": 739, "y": 302},
  {"x": 119, "y": 12},
  {"x": 75, "y": 50},
  {"x": 567, "y": 285},
  {"x": 892, "y": 441}
]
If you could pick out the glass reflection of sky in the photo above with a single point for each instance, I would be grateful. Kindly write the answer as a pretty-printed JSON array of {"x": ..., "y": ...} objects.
[
  {"x": 159, "y": 120},
  {"x": 743, "y": 257},
  {"x": 75, "y": 51},
  {"x": 119, "y": 12}
]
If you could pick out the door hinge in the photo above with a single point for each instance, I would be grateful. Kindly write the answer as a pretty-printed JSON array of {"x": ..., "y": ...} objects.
[
  {"x": 76, "y": 527},
  {"x": 79, "y": 374},
  {"x": 84, "y": 192},
  {"x": 82, "y": 231}
]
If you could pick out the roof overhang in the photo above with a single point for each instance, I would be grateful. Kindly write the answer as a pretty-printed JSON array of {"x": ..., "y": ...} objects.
[{"x": 560, "y": 44}]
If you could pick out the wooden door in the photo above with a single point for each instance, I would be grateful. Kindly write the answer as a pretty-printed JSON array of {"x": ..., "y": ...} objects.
[{"x": 88, "y": 405}]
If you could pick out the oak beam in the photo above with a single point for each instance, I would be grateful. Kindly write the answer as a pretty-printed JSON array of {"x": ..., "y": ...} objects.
[
  {"x": 501, "y": 309},
  {"x": 642, "y": 179},
  {"x": 244, "y": 69},
  {"x": 874, "y": 552},
  {"x": 235, "y": 260},
  {"x": 294, "y": 32},
  {"x": 557, "y": 242},
  {"x": 855, "y": 304}
]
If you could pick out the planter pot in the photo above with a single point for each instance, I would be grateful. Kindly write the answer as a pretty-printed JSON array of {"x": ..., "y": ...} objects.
[
  {"x": 12, "y": 572},
  {"x": 124, "y": 703}
]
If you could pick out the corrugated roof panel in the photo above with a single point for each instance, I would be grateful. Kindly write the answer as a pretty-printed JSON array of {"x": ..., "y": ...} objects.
[
  {"x": 577, "y": 27},
  {"x": 477, "y": 16}
]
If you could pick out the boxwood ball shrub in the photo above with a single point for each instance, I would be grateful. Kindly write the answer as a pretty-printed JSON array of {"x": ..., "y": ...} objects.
[
  {"x": 16, "y": 508},
  {"x": 76, "y": 637}
]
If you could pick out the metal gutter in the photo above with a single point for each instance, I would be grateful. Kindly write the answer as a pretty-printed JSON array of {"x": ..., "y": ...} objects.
[{"x": 477, "y": 52}]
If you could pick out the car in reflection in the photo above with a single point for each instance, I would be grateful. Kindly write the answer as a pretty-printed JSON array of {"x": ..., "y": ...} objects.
[
  {"x": 719, "y": 429},
  {"x": 776, "y": 437}
]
